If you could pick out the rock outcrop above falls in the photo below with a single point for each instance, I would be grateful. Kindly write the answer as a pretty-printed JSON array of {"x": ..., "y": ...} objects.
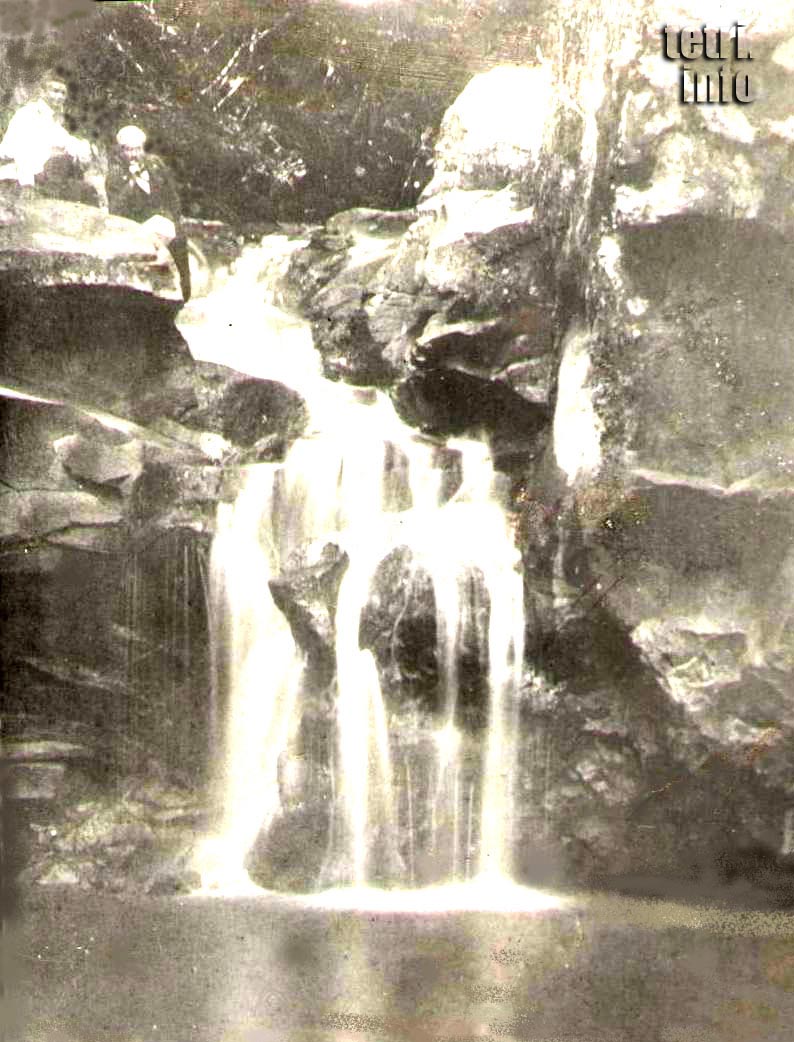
[
  {"x": 451, "y": 311},
  {"x": 58, "y": 243}
]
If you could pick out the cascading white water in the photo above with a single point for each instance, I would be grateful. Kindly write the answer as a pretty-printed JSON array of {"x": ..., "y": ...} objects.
[
  {"x": 263, "y": 667},
  {"x": 331, "y": 488},
  {"x": 365, "y": 782}
]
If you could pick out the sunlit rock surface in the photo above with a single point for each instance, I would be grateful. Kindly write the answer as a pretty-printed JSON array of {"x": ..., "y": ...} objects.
[
  {"x": 57, "y": 243},
  {"x": 482, "y": 144}
]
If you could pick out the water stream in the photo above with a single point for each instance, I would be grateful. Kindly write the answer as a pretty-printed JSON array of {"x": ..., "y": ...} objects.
[{"x": 337, "y": 485}]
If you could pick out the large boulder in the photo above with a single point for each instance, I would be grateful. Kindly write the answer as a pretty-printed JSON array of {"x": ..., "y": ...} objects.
[
  {"x": 453, "y": 305},
  {"x": 331, "y": 281},
  {"x": 88, "y": 303},
  {"x": 481, "y": 144},
  {"x": 52, "y": 242}
]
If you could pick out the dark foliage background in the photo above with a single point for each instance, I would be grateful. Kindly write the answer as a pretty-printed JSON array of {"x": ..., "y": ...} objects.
[{"x": 269, "y": 109}]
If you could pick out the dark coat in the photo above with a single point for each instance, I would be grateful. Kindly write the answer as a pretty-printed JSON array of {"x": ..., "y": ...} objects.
[{"x": 127, "y": 199}]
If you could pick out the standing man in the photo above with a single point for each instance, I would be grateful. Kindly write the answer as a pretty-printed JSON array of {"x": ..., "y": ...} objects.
[{"x": 141, "y": 187}]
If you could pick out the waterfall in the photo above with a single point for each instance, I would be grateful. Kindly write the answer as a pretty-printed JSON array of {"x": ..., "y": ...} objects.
[
  {"x": 338, "y": 484},
  {"x": 263, "y": 668},
  {"x": 363, "y": 731}
]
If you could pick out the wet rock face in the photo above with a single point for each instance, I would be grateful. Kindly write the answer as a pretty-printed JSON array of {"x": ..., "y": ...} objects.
[
  {"x": 330, "y": 281},
  {"x": 307, "y": 595},
  {"x": 448, "y": 402},
  {"x": 257, "y": 409},
  {"x": 399, "y": 624}
]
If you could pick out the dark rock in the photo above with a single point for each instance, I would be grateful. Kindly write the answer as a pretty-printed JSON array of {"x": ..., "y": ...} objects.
[
  {"x": 154, "y": 493},
  {"x": 394, "y": 317},
  {"x": 97, "y": 346},
  {"x": 215, "y": 400},
  {"x": 307, "y": 596},
  {"x": 27, "y": 516},
  {"x": 175, "y": 393},
  {"x": 312, "y": 268},
  {"x": 174, "y": 495},
  {"x": 110, "y": 458},
  {"x": 343, "y": 337},
  {"x": 404, "y": 273},
  {"x": 290, "y": 855},
  {"x": 340, "y": 276},
  {"x": 398, "y": 625},
  {"x": 29, "y": 561},
  {"x": 29, "y": 459},
  {"x": 350, "y": 353},
  {"x": 449, "y": 402},
  {"x": 255, "y": 409},
  {"x": 484, "y": 347}
]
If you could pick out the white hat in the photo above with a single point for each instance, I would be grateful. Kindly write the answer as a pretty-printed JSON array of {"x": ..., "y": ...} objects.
[{"x": 132, "y": 137}]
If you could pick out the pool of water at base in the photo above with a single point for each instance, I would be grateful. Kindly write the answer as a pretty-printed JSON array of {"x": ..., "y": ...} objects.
[{"x": 270, "y": 968}]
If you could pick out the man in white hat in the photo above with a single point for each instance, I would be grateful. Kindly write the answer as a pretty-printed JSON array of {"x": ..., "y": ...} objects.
[{"x": 141, "y": 187}]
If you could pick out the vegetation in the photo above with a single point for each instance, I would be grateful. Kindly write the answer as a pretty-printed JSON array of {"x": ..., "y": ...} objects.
[{"x": 277, "y": 109}]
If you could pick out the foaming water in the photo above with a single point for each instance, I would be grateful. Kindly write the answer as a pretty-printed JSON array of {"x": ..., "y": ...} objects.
[
  {"x": 485, "y": 893},
  {"x": 337, "y": 484},
  {"x": 239, "y": 324},
  {"x": 255, "y": 650}
]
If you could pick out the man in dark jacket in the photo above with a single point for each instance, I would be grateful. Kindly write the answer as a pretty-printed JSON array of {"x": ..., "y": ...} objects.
[{"x": 141, "y": 187}]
